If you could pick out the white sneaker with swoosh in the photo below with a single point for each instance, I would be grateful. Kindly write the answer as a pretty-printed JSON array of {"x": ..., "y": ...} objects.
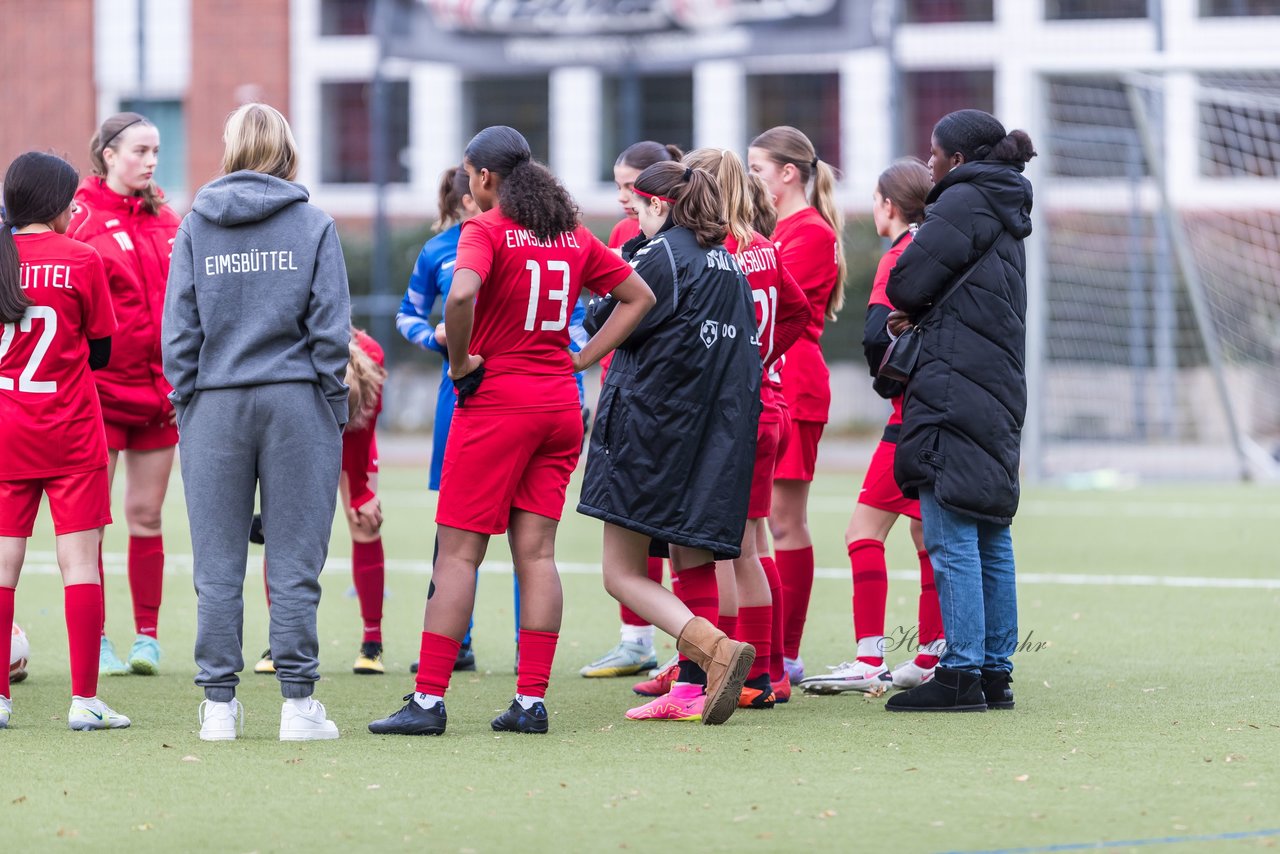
[{"x": 88, "y": 713}]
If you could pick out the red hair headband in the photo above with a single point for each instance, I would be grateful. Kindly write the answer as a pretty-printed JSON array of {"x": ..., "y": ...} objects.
[{"x": 639, "y": 192}]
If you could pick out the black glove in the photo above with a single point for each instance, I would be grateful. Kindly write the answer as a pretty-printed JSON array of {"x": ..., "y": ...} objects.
[
  {"x": 468, "y": 385},
  {"x": 255, "y": 530}
]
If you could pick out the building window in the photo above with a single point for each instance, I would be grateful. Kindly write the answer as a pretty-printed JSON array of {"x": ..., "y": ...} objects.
[
  {"x": 167, "y": 116},
  {"x": 346, "y": 142},
  {"x": 1079, "y": 10},
  {"x": 345, "y": 17},
  {"x": 1092, "y": 133},
  {"x": 930, "y": 95},
  {"x": 810, "y": 102},
  {"x": 1238, "y": 8},
  {"x": 946, "y": 11},
  {"x": 657, "y": 107},
  {"x": 518, "y": 102}
]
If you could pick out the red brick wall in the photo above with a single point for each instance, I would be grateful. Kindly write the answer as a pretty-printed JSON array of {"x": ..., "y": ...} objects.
[
  {"x": 47, "y": 94},
  {"x": 239, "y": 53}
]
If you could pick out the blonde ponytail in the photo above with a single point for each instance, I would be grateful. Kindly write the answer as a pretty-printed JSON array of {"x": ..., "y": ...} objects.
[
  {"x": 735, "y": 192},
  {"x": 364, "y": 379},
  {"x": 824, "y": 200}
]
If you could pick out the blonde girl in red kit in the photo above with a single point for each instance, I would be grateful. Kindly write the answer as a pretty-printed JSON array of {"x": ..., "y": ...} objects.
[
  {"x": 808, "y": 238},
  {"x": 124, "y": 216},
  {"x": 635, "y": 651},
  {"x": 517, "y": 431},
  {"x": 56, "y": 325},
  {"x": 898, "y": 208}
]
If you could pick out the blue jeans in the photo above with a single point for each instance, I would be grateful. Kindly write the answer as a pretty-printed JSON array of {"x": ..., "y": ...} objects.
[{"x": 973, "y": 569}]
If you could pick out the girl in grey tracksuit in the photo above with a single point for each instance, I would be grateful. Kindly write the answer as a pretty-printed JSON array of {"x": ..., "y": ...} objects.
[{"x": 255, "y": 335}]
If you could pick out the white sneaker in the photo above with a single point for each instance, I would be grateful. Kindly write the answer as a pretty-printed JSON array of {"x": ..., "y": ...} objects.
[
  {"x": 221, "y": 721},
  {"x": 308, "y": 725},
  {"x": 666, "y": 665},
  {"x": 6, "y": 712},
  {"x": 872, "y": 679},
  {"x": 911, "y": 675},
  {"x": 89, "y": 713}
]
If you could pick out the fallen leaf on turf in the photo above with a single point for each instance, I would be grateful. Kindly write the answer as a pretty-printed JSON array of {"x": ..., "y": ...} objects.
[
  {"x": 765, "y": 835},
  {"x": 373, "y": 786},
  {"x": 67, "y": 833},
  {"x": 327, "y": 775},
  {"x": 167, "y": 745},
  {"x": 147, "y": 826},
  {"x": 905, "y": 770},
  {"x": 1022, "y": 778},
  {"x": 1234, "y": 757},
  {"x": 1047, "y": 685},
  {"x": 191, "y": 759},
  {"x": 294, "y": 761},
  {"x": 22, "y": 799},
  {"x": 827, "y": 814},
  {"x": 738, "y": 818}
]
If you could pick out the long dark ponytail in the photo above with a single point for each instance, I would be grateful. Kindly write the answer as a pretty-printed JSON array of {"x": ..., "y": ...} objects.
[
  {"x": 529, "y": 193},
  {"x": 38, "y": 187}
]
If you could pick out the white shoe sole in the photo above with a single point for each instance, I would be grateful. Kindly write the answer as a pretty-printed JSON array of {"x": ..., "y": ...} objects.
[
  {"x": 218, "y": 736},
  {"x": 311, "y": 735},
  {"x": 875, "y": 687}
]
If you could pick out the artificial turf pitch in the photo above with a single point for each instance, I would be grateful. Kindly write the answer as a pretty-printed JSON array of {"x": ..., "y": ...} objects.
[{"x": 1147, "y": 713}]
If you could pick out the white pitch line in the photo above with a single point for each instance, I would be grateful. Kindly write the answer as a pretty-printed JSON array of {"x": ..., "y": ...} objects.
[{"x": 44, "y": 563}]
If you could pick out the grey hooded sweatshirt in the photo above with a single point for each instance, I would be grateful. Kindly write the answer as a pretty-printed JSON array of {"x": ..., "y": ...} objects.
[{"x": 257, "y": 293}]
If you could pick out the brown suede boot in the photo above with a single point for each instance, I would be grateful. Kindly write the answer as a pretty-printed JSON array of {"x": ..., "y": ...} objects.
[{"x": 726, "y": 663}]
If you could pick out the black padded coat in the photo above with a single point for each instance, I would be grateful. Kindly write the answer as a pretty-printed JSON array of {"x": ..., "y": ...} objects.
[
  {"x": 964, "y": 406},
  {"x": 675, "y": 433}
]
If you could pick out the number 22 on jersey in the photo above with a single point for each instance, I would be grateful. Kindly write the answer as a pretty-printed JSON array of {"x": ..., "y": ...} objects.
[
  {"x": 26, "y": 379},
  {"x": 560, "y": 295}
]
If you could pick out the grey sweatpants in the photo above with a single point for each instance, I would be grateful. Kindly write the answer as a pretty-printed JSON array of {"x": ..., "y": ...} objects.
[{"x": 283, "y": 439}]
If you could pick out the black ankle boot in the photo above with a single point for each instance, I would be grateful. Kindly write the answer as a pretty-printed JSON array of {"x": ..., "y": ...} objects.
[
  {"x": 995, "y": 686},
  {"x": 948, "y": 691}
]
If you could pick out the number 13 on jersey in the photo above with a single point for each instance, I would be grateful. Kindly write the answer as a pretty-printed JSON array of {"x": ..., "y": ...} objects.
[{"x": 560, "y": 295}]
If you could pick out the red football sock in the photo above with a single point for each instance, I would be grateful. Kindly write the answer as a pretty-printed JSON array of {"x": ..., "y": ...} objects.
[
  {"x": 870, "y": 590},
  {"x": 729, "y": 624},
  {"x": 368, "y": 572},
  {"x": 82, "y": 605},
  {"x": 631, "y": 618},
  {"x": 102, "y": 589},
  {"x": 795, "y": 566},
  {"x": 435, "y": 663},
  {"x": 776, "y": 621},
  {"x": 755, "y": 622},
  {"x": 533, "y": 671},
  {"x": 146, "y": 582},
  {"x": 6, "y": 637},
  {"x": 700, "y": 594},
  {"x": 930, "y": 613}
]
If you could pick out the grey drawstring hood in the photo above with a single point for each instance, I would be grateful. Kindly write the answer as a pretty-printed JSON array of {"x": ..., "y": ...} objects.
[{"x": 245, "y": 197}]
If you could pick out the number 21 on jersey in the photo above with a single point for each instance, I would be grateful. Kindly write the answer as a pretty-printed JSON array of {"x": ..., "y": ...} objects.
[
  {"x": 560, "y": 295},
  {"x": 26, "y": 379}
]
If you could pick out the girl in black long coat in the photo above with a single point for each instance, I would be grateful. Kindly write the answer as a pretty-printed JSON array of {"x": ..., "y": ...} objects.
[{"x": 674, "y": 440}]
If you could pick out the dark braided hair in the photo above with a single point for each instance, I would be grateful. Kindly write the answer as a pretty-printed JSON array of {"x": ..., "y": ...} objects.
[
  {"x": 977, "y": 135},
  {"x": 529, "y": 193}
]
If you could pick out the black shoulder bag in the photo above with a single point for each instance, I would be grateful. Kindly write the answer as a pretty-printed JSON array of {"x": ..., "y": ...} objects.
[{"x": 900, "y": 358}]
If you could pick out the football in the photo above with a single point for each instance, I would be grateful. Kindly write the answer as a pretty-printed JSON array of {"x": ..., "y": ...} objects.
[{"x": 18, "y": 650}]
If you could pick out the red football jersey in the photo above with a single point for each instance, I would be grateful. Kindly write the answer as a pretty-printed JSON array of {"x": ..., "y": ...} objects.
[
  {"x": 879, "y": 296},
  {"x": 522, "y": 312},
  {"x": 782, "y": 311},
  {"x": 807, "y": 247},
  {"x": 360, "y": 447},
  {"x": 50, "y": 417}
]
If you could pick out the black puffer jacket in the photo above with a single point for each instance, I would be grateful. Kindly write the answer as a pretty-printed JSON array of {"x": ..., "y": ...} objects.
[
  {"x": 965, "y": 404},
  {"x": 675, "y": 436}
]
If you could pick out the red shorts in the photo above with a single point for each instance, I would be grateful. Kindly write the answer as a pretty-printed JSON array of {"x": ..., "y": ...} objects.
[
  {"x": 768, "y": 437},
  {"x": 498, "y": 462},
  {"x": 799, "y": 459},
  {"x": 156, "y": 434},
  {"x": 880, "y": 490},
  {"x": 77, "y": 502}
]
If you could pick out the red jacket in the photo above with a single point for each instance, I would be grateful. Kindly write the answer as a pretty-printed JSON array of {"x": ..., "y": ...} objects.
[
  {"x": 135, "y": 248},
  {"x": 360, "y": 447}
]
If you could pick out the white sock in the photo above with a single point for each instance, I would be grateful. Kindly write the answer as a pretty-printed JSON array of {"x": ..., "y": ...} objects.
[
  {"x": 427, "y": 701},
  {"x": 301, "y": 704},
  {"x": 526, "y": 702},
  {"x": 640, "y": 635},
  {"x": 937, "y": 648},
  {"x": 872, "y": 646}
]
